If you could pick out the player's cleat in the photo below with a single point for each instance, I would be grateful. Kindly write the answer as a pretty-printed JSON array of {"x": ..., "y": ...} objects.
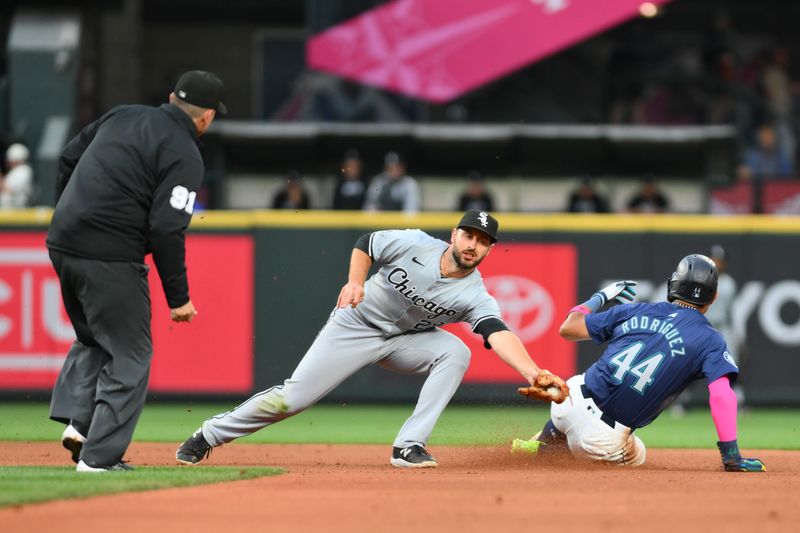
[
  {"x": 194, "y": 449},
  {"x": 413, "y": 457},
  {"x": 73, "y": 441},
  {"x": 121, "y": 466},
  {"x": 530, "y": 446},
  {"x": 733, "y": 461},
  {"x": 745, "y": 465}
]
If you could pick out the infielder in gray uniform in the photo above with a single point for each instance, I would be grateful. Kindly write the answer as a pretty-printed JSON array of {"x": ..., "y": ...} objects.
[{"x": 393, "y": 320}]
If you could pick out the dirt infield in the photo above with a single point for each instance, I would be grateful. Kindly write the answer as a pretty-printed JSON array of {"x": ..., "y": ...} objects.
[{"x": 334, "y": 488}]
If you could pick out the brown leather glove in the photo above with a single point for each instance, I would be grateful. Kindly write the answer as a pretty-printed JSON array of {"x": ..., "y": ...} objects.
[{"x": 547, "y": 388}]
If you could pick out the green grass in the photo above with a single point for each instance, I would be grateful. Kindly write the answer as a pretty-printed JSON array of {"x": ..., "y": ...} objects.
[
  {"x": 30, "y": 484},
  {"x": 459, "y": 425}
]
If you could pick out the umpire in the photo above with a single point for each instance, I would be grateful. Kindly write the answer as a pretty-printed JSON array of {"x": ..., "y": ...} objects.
[{"x": 126, "y": 187}]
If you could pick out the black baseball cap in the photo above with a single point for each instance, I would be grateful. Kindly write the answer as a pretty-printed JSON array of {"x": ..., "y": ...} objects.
[
  {"x": 203, "y": 89},
  {"x": 480, "y": 220}
]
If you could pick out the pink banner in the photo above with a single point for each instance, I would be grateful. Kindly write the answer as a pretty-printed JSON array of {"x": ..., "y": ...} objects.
[{"x": 439, "y": 49}]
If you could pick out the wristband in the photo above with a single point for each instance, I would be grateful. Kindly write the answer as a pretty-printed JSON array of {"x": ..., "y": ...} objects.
[
  {"x": 580, "y": 309},
  {"x": 594, "y": 303}
]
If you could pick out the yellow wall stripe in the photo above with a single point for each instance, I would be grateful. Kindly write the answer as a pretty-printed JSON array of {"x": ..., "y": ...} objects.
[{"x": 518, "y": 222}]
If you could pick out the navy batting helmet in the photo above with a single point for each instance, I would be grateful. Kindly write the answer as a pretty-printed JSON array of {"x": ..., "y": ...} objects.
[{"x": 694, "y": 281}]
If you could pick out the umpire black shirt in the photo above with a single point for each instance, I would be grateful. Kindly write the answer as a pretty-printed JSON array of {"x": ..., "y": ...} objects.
[{"x": 126, "y": 187}]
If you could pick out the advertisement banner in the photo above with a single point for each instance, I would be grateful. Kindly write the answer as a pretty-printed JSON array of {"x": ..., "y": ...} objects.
[
  {"x": 535, "y": 286},
  {"x": 731, "y": 200},
  {"x": 781, "y": 198},
  {"x": 437, "y": 50},
  {"x": 260, "y": 310},
  {"x": 775, "y": 198},
  {"x": 213, "y": 354},
  {"x": 35, "y": 332}
]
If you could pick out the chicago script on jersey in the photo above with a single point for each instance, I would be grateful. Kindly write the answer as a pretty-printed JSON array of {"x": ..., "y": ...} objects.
[{"x": 398, "y": 278}]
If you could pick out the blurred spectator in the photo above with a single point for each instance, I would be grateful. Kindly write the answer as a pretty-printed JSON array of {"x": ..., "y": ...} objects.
[
  {"x": 721, "y": 317},
  {"x": 293, "y": 195},
  {"x": 393, "y": 189},
  {"x": 719, "y": 43},
  {"x": 681, "y": 104},
  {"x": 350, "y": 189},
  {"x": 475, "y": 196},
  {"x": 649, "y": 199},
  {"x": 777, "y": 85},
  {"x": 585, "y": 199},
  {"x": 725, "y": 104},
  {"x": 777, "y": 88},
  {"x": 637, "y": 56},
  {"x": 17, "y": 185},
  {"x": 767, "y": 159}
]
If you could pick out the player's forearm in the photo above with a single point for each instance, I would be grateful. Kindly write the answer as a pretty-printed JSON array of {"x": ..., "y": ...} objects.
[
  {"x": 511, "y": 350},
  {"x": 359, "y": 267},
  {"x": 722, "y": 401},
  {"x": 352, "y": 293},
  {"x": 574, "y": 327}
]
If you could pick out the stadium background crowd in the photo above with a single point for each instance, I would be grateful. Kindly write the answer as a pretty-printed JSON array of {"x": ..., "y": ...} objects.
[{"x": 719, "y": 76}]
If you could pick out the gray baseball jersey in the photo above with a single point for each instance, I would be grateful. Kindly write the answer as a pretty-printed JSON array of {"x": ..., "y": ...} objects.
[{"x": 406, "y": 295}]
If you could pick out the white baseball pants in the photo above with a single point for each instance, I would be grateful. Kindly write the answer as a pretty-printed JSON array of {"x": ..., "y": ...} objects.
[{"x": 590, "y": 437}]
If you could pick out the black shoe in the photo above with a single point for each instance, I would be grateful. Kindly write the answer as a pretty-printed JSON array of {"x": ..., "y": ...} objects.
[
  {"x": 120, "y": 466},
  {"x": 193, "y": 449},
  {"x": 413, "y": 457}
]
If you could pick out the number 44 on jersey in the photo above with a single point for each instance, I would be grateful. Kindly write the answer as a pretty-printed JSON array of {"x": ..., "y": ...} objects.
[{"x": 644, "y": 370}]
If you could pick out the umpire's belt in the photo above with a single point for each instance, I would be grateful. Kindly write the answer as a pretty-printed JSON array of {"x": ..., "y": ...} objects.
[{"x": 586, "y": 393}]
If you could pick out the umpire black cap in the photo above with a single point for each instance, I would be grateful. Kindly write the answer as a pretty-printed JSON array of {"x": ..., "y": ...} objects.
[
  {"x": 203, "y": 89},
  {"x": 694, "y": 281},
  {"x": 480, "y": 220}
]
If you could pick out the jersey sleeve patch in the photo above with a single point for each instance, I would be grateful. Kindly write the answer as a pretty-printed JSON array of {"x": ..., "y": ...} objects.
[{"x": 729, "y": 358}]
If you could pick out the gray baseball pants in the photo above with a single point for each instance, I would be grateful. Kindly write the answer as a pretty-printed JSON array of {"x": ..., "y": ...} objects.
[
  {"x": 103, "y": 382},
  {"x": 344, "y": 345}
]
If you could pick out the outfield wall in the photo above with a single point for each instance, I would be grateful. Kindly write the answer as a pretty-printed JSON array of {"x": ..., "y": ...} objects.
[{"x": 264, "y": 283}]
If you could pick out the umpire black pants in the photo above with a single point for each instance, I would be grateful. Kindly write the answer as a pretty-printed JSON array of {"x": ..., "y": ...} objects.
[{"x": 103, "y": 382}]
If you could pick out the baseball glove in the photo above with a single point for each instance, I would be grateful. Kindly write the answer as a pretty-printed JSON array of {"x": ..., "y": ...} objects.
[{"x": 547, "y": 387}]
